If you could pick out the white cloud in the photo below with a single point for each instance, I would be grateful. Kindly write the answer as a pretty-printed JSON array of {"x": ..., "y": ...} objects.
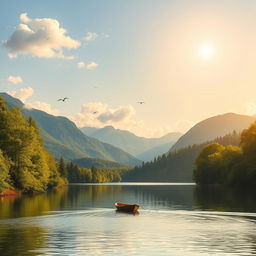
[
  {"x": 80, "y": 64},
  {"x": 98, "y": 114},
  {"x": 120, "y": 114},
  {"x": 14, "y": 79},
  {"x": 43, "y": 106},
  {"x": 250, "y": 108},
  {"x": 89, "y": 66},
  {"x": 92, "y": 65},
  {"x": 23, "y": 94},
  {"x": 90, "y": 36},
  {"x": 42, "y": 38},
  {"x": 104, "y": 35}
]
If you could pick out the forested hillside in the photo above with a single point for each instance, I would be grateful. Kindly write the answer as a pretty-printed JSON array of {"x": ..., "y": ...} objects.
[
  {"x": 175, "y": 166},
  {"x": 228, "y": 165},
  {"x": 24, "y": 162}
]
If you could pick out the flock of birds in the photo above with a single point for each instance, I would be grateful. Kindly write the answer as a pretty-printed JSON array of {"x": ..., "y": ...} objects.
[
  {"x": 66, "y": 98},
  {"x": 95, "y": 112}
]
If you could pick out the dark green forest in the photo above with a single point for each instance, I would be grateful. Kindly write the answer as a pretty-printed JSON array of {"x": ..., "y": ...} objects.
[
  {"x": 228, "y": 165},
  {"x": 175, "y": 166},
  {"x": 76, "y": 174}
]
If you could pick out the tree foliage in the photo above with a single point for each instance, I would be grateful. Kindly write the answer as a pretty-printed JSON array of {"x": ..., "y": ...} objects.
[
  {"x": 77, "y": 174},
  {"x": 229, "y": 165},
  {"x": 24, "y": 162}
]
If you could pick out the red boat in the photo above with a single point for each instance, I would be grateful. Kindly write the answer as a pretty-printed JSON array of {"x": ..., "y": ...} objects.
[{"x": 127, "y": 207}]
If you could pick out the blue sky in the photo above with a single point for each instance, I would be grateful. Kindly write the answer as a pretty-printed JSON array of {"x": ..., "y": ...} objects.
[{"x": 143, "y": 51}]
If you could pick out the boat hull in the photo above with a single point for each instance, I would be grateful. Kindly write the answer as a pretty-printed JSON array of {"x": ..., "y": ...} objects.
[{"x": 127, "y": 207}]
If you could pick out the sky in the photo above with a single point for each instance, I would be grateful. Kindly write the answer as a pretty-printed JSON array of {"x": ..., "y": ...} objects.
[{"x": 186, "y": 60}]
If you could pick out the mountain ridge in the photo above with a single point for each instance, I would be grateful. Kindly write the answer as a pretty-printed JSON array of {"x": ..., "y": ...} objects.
[
  {"x": 141, "y": 147},
  {"x": 212, "y": 127},
  {"x": 61, "y": 136}
]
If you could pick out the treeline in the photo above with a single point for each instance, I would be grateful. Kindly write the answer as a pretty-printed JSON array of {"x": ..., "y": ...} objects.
[
  {"x": 24, "y": 163},
  {"x": 175, "y": 166},
  {"x": 228, "y": 165},
  {"x": 76, "y": 174}
]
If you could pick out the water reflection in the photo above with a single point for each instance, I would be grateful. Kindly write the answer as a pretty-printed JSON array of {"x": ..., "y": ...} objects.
[
  {"x": 24, "y": 206},
  {"x": 22, "y": 240},
  {"x": 225, "y": 199},
  {"x": 173, "y": 220}
]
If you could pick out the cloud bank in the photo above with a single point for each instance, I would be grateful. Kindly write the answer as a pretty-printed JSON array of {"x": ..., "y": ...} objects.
[
  {"x": 98, "y": 114},
  {"x": 43, "y": 38},
  {"x": 14, "y": 79},
  {"x": 43, "y": 106},
  {"x": 250, "y": 108},
  {"x": 23, "y": 94}
]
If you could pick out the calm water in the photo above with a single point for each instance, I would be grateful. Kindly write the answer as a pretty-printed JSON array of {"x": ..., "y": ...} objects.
[{"x": 175, "y": 219}]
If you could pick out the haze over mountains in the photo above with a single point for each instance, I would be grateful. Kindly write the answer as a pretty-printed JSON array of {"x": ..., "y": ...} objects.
[
  {"x": 213, "y": 127},
  {"x": 62, "y": 138},
  {"x": 177, "y": 165},
  {"x": 142, "y": 148}
]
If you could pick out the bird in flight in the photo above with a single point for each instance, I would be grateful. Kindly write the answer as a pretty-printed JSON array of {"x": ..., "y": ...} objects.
[
  {"x": 63, "y": 99},
  {"x": 141, "y": 102}
]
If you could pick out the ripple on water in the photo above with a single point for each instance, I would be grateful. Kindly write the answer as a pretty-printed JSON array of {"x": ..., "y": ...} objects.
[{"x": 152, "y": 232}]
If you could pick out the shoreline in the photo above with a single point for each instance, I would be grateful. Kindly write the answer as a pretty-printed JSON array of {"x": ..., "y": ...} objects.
[
  {"x": 17, "y": 193},
  {"x": 10, "y": 192}
]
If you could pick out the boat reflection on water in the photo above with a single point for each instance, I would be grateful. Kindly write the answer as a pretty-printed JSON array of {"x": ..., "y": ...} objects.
[{"x": 137, "y": 213}]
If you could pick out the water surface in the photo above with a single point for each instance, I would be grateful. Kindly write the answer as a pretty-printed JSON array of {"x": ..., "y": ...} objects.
[{"x": 174, "y": 219}]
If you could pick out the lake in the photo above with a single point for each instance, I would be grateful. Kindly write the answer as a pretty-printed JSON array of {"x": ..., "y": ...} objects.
[{"x": 174, "y": 219}]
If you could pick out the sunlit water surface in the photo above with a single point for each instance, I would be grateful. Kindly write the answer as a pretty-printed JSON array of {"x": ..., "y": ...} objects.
[{"x": 174, "y": 219}]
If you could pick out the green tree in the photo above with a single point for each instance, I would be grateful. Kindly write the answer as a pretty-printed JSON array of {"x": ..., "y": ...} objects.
[
  {"x": 4, "y": 173},
  {"x": 63, "y": 168},
  {"x": 208, "y": 164},
  {"x": 21, "y": 143}
]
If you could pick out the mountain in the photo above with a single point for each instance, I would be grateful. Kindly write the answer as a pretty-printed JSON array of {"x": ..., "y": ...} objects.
[
  {"x": 213, "y": 127},
  {"x": 140, "y": 147},
  {"x": 62, "y": 138},
  {"x": 176, "y": 166}
]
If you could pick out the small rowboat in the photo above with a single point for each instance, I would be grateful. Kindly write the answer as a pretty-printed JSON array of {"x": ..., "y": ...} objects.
[{"x": 127, "y": 207}]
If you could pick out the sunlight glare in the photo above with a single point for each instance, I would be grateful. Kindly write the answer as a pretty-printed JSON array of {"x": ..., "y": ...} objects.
[{"x": 206, "y": 51}]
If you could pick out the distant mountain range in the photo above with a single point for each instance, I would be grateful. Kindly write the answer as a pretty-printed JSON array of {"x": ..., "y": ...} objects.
[
  {"x": 213, "y": 127},
  {"x": 176, "y": 166},
  {"x": 62, "y": 138},
  {"x": 142, "y": 148}
]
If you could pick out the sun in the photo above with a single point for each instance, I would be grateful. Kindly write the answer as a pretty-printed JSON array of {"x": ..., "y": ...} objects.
[{"x": 206, "y": 51}]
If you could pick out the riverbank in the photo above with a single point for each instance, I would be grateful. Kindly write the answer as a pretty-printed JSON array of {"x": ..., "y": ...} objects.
[{"x": 10, "y": 192}]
